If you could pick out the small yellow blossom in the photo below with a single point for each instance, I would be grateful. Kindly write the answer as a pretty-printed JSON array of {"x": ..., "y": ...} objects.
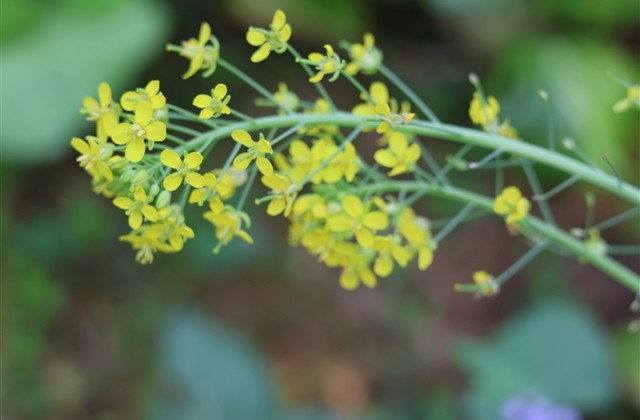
[
  {"x": 94, "y": 156},
  {"x": 185, "y": 169},
  {"x": 487, "y": 116},
  {"x": 415, "y": 229},
  {"x": 215, "y": 105},
  {"x": 201, "y": 56},
  {"x": 355, "y": 272},
  {"x": 401, "y": 156},
  {"x": 365, "y": 57},
  {"x": 389, "y": 250},
  {"x": 275, "y": 39},
  {"x": 103, "y": 111},
  {"x": 212, "y": 189},
  {"x": 228, "y": 223},
  {"x": 138, "y": 208},
  {"x": 378, "y": 103},
  {"x": 512, "y": 204},
  {"x": 134, "y": 135},
  {"x": 632, "y": 99},
  {"x": 356, "y": 218},
  {"x": 486, "y": 282},
  {"x": 329, "y": 63},
  {"x": 285, "y": 98},
  {"x": 283, "y": 192},
  {"x": 150, "y": 94},
  {"x": 257, "y": 151},
  {"x": 147, "y": 242},
  {"x": 170, "y": 229}
]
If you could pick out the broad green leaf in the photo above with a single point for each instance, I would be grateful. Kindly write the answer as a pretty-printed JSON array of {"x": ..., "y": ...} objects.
[
  {"x": 555, "y": 349},
  {"x": 210, "y": 373}
]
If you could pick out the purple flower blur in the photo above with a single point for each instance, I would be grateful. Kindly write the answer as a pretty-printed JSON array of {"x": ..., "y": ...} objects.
[{"x": 536, "y": 407}]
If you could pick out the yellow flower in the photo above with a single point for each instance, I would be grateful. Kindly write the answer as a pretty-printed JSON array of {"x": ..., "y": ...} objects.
[
  {"x": 285, "y": 98},
  {"x": 512, "y": 204},
  {"x": 632, "y": 100},
  {"x": 389, "y": 250},
  {"x": 400, "y": 156},
  {"x": 365, "y": 57},
  {"x": 185, "y": 169},
  {"x": 487, "y": 283},
  {"x": 357, "y": 271},
  {"x": 201, "y": 56},
  {"x": 329, "y": 63},
  {"x": 228, "y": 223},
  {"x": 171, "y": 229},
  {"x": 284, "y": 194},
  {"x": 275, "y": 39},
  {"x": 415, "y": 230},
  {"x": 134, "y": 135},
  {"x": 215, "y": 105},
  {"x": 94, "y": 156},
  {"x": 103, "y": 111},
  {"x": 257, "y": 151},
  {"x": 212, "y": 189},
  {"x": 150, "y": 94},
  {"x": 138, "y": 208},
  {"x": 378, "y": 103},
  {"x": 487, "y": 116},
  {"x": 147, "y": 242},
  {"x": 356, "y": 218}
]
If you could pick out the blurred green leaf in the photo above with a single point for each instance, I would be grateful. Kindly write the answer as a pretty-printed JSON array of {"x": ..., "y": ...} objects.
[
  {"x": 574, "y": 72},
  {"x": 554, "y": 348},
  {"x": 210, "y": 373},
  {"x": 46, "y": 75}
]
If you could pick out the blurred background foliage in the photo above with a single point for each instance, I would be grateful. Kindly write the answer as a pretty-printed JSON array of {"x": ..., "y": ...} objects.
[{"x": 263, "y": 332}]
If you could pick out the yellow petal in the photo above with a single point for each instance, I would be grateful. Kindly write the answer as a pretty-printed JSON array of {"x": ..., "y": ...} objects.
[
  {"x": 425, "y": 257},
  {"x": 241, "y": 161},
  {"x": 276, "y": 182},
  {"x": 352, "y": 205},
  {"x": 379, "y": 93},
  {"x": 348, "y": 279},
  {"x": 135, "y": 150},
  {"x": 385, "y": 158},
  {"x": 279, "y": 20},
  {"x": 243, "y": 138},
  {"x": 135, "y": 220},
  {"x": 261, "y": 53},
  {"x": 152, "y": 88},
  {"x": 255, "y": 38},
  {"x": 205, "y": 33},
  {"x": 156, "y": 131},
  {"x": 143, "y": 113},
  {"x": 170, "y": 158},
  {"x": 383, "y": 266},
  {"x": 376, "y": 220},
  {"x": 365, "y": 237},
  {"x": 80, "y": 145},
  {"x": 398, "y": 143},
  {"x": 194, "y": 179},
  {"x": 264, "y": 146},
  {"x": 104, "y": 94},
  {"x": 285, "y": 33},
  {"x": 264, "y": 166},
  {"x": 206, "y": 113},
  {"x": 220, "y": 91},
  {"x": 123, "y": 203},
  {"x": 193, "y": 160},
  {"x": 172, "y": 182},
  {"x": 194, "y": 65},
  {"x": 158, "y": 101},
  {"x": 339, "y": 223},
  {"x": 367, "y": 277},
  {"x": 129, "y": 100},
  {"x": 150, "y": 213},
  {"x": 276, "y": 206}
]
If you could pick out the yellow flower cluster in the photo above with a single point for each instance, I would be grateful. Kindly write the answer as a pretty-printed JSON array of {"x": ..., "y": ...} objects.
[
  {"x": 141, "y": 183},
  {"x": 364, "y": 238}
]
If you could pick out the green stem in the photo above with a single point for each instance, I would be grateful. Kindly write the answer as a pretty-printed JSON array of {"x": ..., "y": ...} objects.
[
  {"x": 554, "y": 235},
  {"x": 386, "y": 72},
  {"x": 444, "y": 132}
]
